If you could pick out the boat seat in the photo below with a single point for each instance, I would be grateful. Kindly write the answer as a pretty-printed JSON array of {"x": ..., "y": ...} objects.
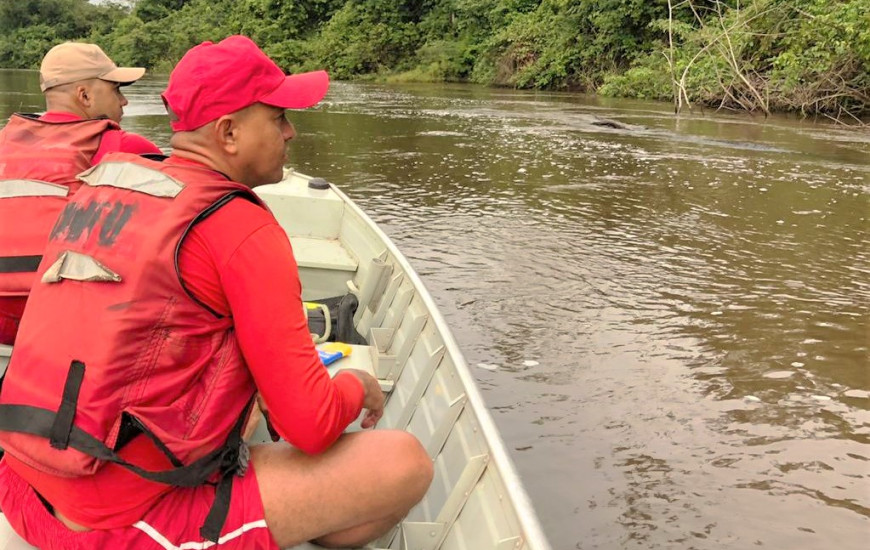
[
  {"x": 365, "y": 358},
  {"x": 317, "y": 253}
]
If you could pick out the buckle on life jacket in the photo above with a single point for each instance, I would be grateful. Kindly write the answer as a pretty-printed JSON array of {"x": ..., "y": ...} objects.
[{"x": 235, "y": 460}]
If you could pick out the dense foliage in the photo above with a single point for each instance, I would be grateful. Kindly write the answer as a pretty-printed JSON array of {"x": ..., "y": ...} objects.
[{"x": 811, "y": 56}]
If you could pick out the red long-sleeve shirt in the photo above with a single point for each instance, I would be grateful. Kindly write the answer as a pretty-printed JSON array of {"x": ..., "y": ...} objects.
[{"x": 239, "y": 262}]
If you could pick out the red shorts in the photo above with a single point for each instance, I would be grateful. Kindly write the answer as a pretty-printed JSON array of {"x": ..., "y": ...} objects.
[{"x": 172, "y": 524}]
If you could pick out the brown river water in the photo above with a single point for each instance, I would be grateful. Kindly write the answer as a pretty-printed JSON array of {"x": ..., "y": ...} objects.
[{"x": 669, "y": 321}]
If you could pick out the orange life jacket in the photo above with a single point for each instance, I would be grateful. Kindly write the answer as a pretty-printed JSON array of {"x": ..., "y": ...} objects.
[
  {"x": 112, "y": 334},
  {"x": 38, "y": 165}
]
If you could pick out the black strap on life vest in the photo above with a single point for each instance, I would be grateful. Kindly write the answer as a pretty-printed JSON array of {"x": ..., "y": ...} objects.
[
  {"x": 238, "y": 463},
  {"x": 214, "y": 207},
  {"x": 57, "y": 427},
  {"x": 19, "y": 264},
  {"x": 63, "y": 421}
]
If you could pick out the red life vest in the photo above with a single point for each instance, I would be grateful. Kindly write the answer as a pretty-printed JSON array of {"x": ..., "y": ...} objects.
[
  {"x": 112, "y": 334},
  {"x": 38, "y": 165}
]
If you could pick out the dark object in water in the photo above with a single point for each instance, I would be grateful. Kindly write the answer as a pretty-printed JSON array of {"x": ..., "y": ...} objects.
[{"x": 610, "y": 123}]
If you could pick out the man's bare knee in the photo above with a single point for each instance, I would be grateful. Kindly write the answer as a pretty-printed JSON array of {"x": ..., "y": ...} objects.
[
  {"x": 404, "y": 471},
  {"x": 349, "y": 495},
  {"x": 415, "y": 465}
]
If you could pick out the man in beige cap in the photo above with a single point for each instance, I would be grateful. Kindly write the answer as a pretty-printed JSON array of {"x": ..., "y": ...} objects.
[
  {"x": 41, "y": 155},
  {"x": 80, "y": 79}
]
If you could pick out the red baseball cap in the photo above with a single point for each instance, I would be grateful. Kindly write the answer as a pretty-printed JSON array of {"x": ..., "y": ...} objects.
[{"x": 213, "y": 80}]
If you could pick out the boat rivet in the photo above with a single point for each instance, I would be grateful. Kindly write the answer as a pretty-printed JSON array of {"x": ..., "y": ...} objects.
[{"x": 431, "y": 533}]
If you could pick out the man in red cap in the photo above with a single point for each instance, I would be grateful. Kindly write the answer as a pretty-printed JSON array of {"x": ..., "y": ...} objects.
[
  {"x": 170, "y": 297},
  {"x": 41, "y": 155}
]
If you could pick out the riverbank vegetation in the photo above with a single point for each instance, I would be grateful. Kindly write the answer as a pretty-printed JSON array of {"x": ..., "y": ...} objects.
[{"x": 809, "y": 56}]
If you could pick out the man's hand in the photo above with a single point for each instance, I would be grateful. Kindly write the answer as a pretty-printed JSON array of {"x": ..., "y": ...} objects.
[{"x": 373, "y": 400}]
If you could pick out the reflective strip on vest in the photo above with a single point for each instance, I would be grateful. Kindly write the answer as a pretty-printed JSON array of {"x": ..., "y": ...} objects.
[
  {"x": 31, "y": 188},
  {"x": 79, "y": 267},
  {"x": 126, "y": 175}
]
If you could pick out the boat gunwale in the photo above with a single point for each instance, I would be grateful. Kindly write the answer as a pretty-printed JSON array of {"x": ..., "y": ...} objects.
[{"x": 526, "y": 515}]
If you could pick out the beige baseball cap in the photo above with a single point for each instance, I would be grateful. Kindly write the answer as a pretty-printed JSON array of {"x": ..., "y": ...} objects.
[{"x": 74, "y": 61}]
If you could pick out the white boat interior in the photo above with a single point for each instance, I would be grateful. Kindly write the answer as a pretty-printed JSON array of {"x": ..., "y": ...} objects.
[{"x": 476, "y": 500}]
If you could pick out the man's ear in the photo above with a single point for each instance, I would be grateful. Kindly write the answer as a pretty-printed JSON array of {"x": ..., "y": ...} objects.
[
  {"x": 226, "y": 131},
  {"x": 83, "y": 95}
]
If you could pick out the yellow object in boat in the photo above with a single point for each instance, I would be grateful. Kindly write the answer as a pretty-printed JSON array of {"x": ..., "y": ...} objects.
[{"x": 331, "y": 352}]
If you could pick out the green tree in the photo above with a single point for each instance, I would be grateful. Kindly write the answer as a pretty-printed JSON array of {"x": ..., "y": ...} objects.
[
  {"x": 25, "y": 47},
  {"x": 806, "y": 55},
  {"x": 154, "y": 10},
  {"x": 368, "y": 37},
  {"x": 29, "y": 28}
]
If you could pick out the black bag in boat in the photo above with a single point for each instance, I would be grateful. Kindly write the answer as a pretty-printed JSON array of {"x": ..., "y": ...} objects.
[{"x": 331, "y": 320}]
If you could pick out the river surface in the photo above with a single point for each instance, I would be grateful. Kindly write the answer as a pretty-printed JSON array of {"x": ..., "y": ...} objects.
[{"x": 668, "y": 321}]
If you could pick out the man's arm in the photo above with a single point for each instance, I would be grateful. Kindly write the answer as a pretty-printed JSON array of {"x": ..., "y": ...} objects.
[
  {"x": 254, "y": 276},
  {"x": 125, "y": 142}
]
